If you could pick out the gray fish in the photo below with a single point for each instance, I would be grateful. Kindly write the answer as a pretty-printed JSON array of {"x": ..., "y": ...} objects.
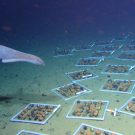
[{"x": 8, "y": 55}]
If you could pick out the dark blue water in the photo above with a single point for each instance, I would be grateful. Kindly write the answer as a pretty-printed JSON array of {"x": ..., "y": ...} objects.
[{"x": 72, "y": 20}]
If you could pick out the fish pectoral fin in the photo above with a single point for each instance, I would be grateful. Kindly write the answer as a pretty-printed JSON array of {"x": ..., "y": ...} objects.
[{"x": 8, "y": 55}]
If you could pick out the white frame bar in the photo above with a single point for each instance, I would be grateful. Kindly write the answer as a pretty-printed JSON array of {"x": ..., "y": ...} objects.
[{"x": 29, "y": 132}]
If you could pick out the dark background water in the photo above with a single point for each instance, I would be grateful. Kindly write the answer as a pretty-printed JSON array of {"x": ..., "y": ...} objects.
[{"x": 73, "y": 20}]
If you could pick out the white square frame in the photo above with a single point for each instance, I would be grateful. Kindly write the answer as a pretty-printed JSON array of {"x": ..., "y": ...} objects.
[
  {"x": 83, "y": 49},
  {"x": 88, "y": 118},
  {"x": 114, "y": 91},
  {"x": 104, "y": 72},
  {"x": 123, "y": 106},
  {"x": 111, "y": 52},
  {"x": 57, "y": 56},
  {"x": 93, "y": 127},
  {"x": 105, "y": 43},
  {"x": 64, "y": 55},
  {"x": 101, "y": 49},
  {"x": 100, "y": 59},
  {"x": 126, "y": 52},
  {"x": 123, "y": 48},
  {"x": 14, "y": 118},
  {"x": 84, "y": 78},
  {"x": 86, "y": 90}
]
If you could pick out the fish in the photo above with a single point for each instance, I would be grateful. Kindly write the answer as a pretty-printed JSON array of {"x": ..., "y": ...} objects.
[{"x": 8, "y": 55}]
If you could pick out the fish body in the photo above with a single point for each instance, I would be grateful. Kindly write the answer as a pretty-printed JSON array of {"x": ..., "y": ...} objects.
[{"x": 8, "y": 55}]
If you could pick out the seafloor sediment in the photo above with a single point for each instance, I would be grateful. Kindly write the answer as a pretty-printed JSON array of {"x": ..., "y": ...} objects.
[{"x": 26, "y": 83}]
